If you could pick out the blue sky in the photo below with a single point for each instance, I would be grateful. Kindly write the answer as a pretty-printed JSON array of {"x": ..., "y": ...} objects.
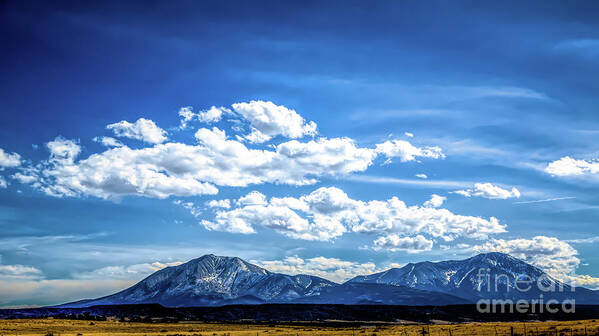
[{"x": 322, "y": 130}]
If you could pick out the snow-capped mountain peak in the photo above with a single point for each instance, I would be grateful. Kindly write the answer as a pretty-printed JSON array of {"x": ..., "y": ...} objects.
[
  {"x": 216, "y": 280},
  {"x": 486, "y": 275}
]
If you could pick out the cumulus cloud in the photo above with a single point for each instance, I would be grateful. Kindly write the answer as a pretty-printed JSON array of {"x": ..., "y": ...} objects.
[
  {"x": 255, "y": 136},
  {"x": 568, "y": 166},
  {"x": 108, "y": 141},
  {"x": 143, "y": 129},
  {"x": 422, "y": 176},
  {"x": 254, "y": 211},
  {"x": 253, "y": 198},
  {"x": 9, "y": 160},
  {"x": 405, "y": 151},
  {"x": 327, "y": 213},
  {"x": 394, "y": 242},
  {"x": 490, "y": 191},
  {"x": 63, "y": 150},
  {"x": 117, "y": 172},
  {"x": 3, "y": 182},
  {"x": 24, "y": 177},
  {"x": 435, "y": 201},
  {"x": 268, "y": 120},
  {"x": 178, "y": 169},
  {"x": 224, "y": 203},
  {"x": 333, "y": 269},
  {"x": 213, "y": 114},
  {"x": 584, "y": 280}
]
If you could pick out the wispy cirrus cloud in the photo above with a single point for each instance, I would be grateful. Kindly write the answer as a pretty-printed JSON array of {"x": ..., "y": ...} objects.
[
  {"x": 426, "y": 183},
  {"x": 545, "y": 200},
  {"x": 585, "y": 47}
]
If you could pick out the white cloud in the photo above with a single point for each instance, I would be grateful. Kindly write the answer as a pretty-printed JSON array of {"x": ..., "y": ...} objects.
[
  {"x": 435, "y": 201},
  {"x": 253, "y": 198},
  {"x": 406, "y": 151},
  {"x": 422, "y": 176},
  {"x": 3, "y": 183},
  {"x": 211, "y": 115},
  {"x": 585, "y": 280},
  {"x": 63, "y": 150},
  {"x": 224, "y": 203},
  {"x": 132, "y": 272},
  {"x": 254, "y": 211},
  {"x": 195, "y": 211},
  {"x": 18, "y": 272},
  {"x": 409, "y": 135},
  {"x": 490, "y": 191},
  {"x": 443, "y": 184},
  {"x": 327, "y": 213},
  {"x": 143, "y": 129},
  {"x": 590, "y": 240},
  {"x": 24, "y": 178},
  {"x": 231, "y": 163},
  {"x": 9, "y": 160},
  {"x": 568, "y": 166},
  {"x": 340, "y": 155},
  {"x": 394, "y": 216},
  {"x": 178, "y": 169},
  {"x": 118, "y": 172},
  {"x": 546, "y": 200},
  {"x": 108, "y": 141},
  {"x": 333, "y": 269},
  {"x": 255, "y": 136},
  {"x": 394, "y": 242},
  {"x": 268, "y": 120}
]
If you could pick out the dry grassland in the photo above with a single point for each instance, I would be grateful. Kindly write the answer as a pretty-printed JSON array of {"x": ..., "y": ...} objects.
[{"x": 55, "y": 327}]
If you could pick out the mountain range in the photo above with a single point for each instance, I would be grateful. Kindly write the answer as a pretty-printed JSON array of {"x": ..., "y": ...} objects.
[{"x": 216, "y": 280}]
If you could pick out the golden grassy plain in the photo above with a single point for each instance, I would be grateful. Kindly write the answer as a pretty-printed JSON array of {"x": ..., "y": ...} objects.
[{"x": 40, "y": 327}]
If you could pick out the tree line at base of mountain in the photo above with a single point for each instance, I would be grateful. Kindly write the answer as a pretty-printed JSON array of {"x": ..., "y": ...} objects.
[{"x": 296, "y": 313}]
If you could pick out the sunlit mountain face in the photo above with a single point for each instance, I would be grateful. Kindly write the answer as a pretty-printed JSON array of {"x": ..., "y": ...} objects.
[{"x": 321, "y": 143}]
